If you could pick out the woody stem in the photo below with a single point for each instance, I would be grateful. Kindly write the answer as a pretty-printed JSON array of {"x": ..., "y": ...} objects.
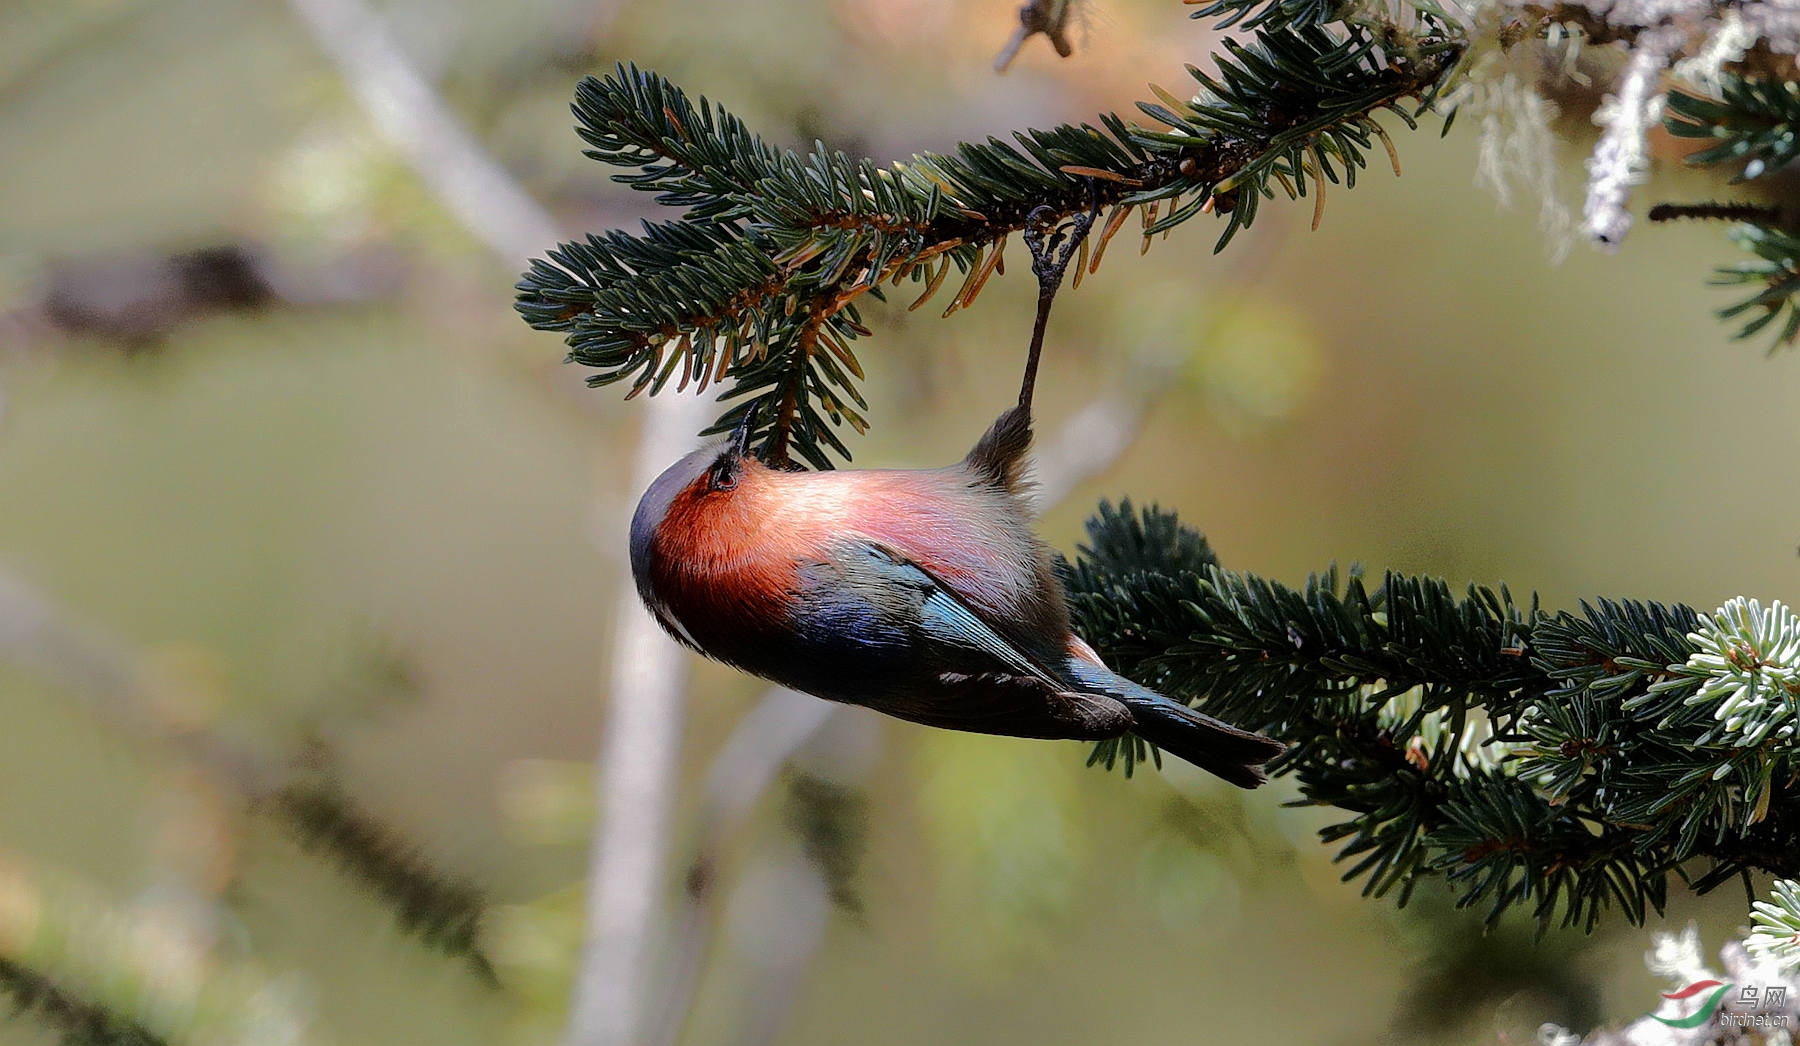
[{"x": 1049, "y": 261}]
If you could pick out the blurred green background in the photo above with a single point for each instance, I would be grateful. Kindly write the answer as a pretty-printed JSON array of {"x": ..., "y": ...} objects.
[{"x": 364, "y": 517}]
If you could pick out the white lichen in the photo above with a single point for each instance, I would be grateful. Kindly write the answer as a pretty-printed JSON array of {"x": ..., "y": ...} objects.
[
  {"x": 1517, "y": 147},
  {"x": 1622, "y": 156},
  {"x": 1503, "y": 79}
]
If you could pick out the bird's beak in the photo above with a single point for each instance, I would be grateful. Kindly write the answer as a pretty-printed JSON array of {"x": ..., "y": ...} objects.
[{"x": 740, "y": 436}]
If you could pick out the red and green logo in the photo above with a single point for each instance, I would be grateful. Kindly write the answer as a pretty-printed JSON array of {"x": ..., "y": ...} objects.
[{"x": 1717, "y": 990}]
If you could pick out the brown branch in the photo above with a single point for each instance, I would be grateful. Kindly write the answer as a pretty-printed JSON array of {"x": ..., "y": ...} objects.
[
  {"x": 1204, "y": 164},
  {"x": 79, "y": 1019},
  {"x": 812, "y": 284},
  {"x": 823, "y": 307}
]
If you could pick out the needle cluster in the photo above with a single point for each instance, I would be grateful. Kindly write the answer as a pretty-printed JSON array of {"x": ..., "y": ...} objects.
[
  {"x": 754, "y": 283},
  {"x": 1568, "y": 762}
]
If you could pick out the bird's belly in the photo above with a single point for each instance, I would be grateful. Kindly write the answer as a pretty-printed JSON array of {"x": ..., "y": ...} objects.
[
  {"x": 843, "y": 652},
  {"x": 857, "y": 658},
  {"x": 774, "y": 624}
]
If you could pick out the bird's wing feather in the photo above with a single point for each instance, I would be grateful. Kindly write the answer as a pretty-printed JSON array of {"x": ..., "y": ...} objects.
[
  {"x": 1001, "y": 691},
  {"x": 946, "y": 617},
  {"x": 1015, "y": 706}
]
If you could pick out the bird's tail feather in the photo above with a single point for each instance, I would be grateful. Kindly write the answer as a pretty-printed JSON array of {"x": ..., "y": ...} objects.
[
  {"x": 1212, "y": 745},
  {"x": 999, "y": 456}
]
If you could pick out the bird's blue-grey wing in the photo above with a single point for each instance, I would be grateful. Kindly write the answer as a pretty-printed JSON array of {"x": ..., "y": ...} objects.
[
  {"x": 941, "y": 615},
  {"x": 979, "y": 680}
]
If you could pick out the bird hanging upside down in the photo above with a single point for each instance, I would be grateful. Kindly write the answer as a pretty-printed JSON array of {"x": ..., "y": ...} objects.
[{"x": 922, "y": 593}]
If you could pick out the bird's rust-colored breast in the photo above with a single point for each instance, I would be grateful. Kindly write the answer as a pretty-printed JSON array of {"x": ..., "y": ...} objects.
[
  {"x": 716, "y": 571},
  {"x": 729, "y": 561}
]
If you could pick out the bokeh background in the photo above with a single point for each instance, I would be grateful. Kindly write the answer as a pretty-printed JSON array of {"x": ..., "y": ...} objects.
[{"x": 271, "y": 435}]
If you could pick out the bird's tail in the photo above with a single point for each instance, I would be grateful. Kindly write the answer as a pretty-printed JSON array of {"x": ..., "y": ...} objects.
[
  {"x": 999, "y": 456},
  {"x": 1186, "y": 733}
]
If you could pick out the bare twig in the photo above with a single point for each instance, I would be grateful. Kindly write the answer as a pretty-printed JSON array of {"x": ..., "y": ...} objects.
[
  {"x": 764, "y": 740},
  {"x": 109, "y": 676},
  {"x": 635, "y": 772},
  {"x": 781, "y": 908},
  {"x": 634, "y": 780},
  {"x": 482, "y": 196}
]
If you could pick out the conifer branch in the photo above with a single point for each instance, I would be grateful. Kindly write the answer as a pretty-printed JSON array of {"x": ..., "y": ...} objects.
[
  {"x": 79, "y": 1021},
  {"x": 1569, "y": 762},
  {"x": 442, "y": 911},
  {"x": 758, "y": 280},
  {"x": 121, "y": 690},
  {"x": 1775, "y": 935},
  {"x": 1753, "y": 124}
]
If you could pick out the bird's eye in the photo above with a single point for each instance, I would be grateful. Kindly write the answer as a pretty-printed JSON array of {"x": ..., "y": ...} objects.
[{"x": 723, "y": 475}]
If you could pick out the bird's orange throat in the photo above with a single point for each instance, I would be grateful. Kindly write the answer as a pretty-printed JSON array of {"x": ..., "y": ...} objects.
[{"x": 715, "y": 558}]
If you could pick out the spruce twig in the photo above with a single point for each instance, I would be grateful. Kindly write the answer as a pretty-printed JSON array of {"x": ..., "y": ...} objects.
[
  {"x": 79, "y": 1021},
  {"x": 757, "y": 282},
  {"x": 122, "y": 692},
  {"x": 443, "y": 911},
  {"x": 1567, "y": 762}
]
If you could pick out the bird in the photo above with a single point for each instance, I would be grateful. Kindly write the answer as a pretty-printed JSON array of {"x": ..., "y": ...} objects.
[
  {"x": 922, "y": 593},
  {"x": 925, "y": 594}
]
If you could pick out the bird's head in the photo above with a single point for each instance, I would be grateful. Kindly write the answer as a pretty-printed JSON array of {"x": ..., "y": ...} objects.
[{"x": 687, "y": 492}]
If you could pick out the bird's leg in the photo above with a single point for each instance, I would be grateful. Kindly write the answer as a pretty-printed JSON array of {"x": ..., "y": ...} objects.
[{"x": 1051, "y": 251}]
